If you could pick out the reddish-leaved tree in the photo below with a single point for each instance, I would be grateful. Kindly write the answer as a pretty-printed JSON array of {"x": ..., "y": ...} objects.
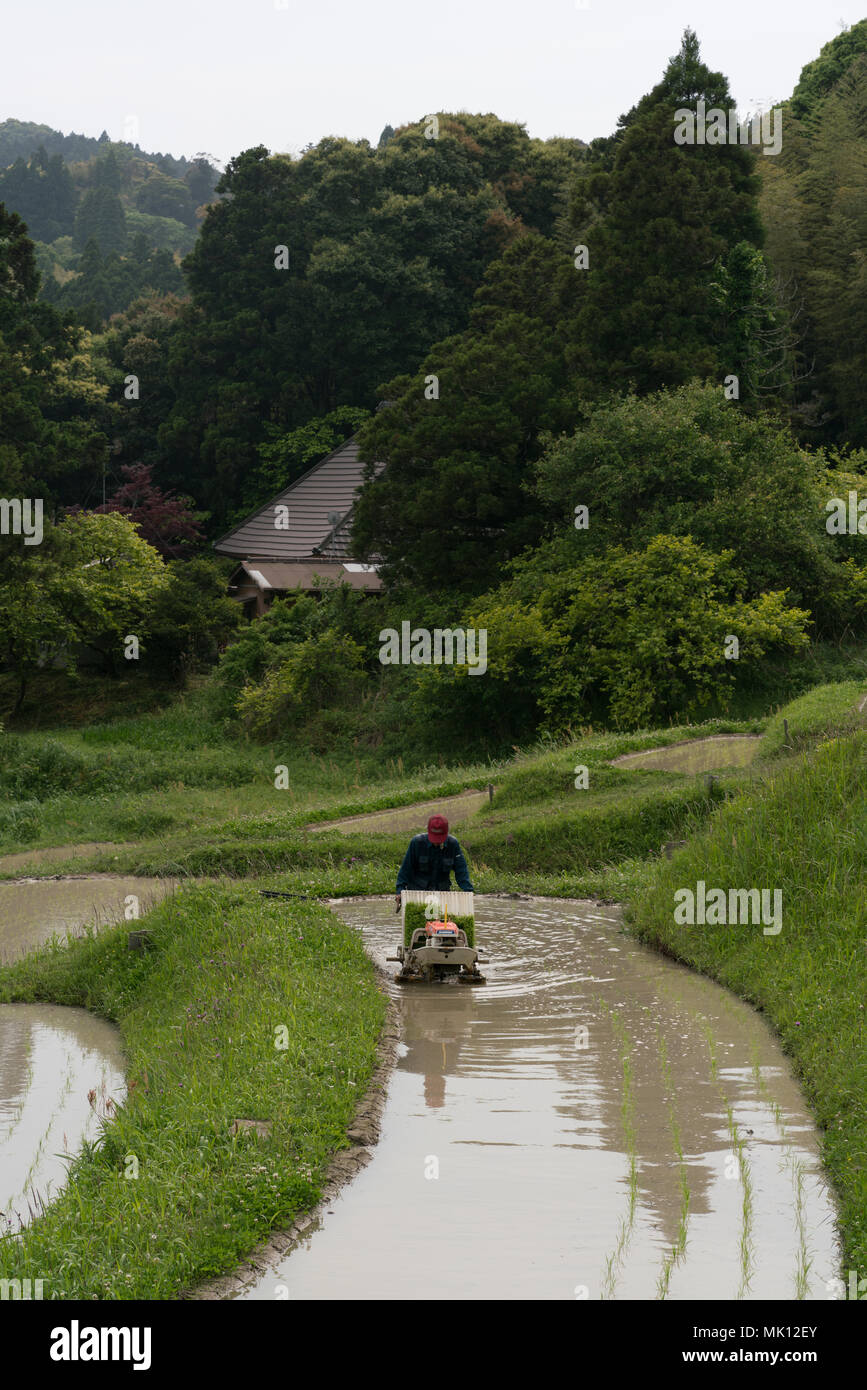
[{"x": 165, "y": 520}]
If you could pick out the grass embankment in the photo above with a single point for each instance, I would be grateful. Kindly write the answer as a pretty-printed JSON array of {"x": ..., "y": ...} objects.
[
  {"x": 828, "y": 711},
  {"x": 199, "y": 1013},
  {"x": 176, "y": 795},
  {"x": 803, "y": 831},
  {"x": 155, "y": 776}
]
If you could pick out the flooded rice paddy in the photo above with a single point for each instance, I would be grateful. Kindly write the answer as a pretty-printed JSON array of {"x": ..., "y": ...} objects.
[
  {"x": 61, "y": 1072},
  {"x": 61, "y": 1069},
  {"x": 696, "y": 755},
  {"x": 34, "y": 910},
  {"x": 595, "y": 1122}
]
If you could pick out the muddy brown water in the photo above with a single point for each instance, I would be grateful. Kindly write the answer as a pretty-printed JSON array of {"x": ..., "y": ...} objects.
[
  {"x": 505, "y": 1168},
  {"x": 34, "y": 910},
  {"x": 61, "y": 1069},
  {"x": 696, "y": 755}
]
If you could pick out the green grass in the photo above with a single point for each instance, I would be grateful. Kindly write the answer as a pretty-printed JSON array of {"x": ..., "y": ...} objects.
[
  {"x": 583, "y": 847},
  {"x": 176, "y": 773},
  {"x": 544, "y": 777},
  {"x": 199, "y": 1013},
  {"x": 595, "y": 830},
  {"x": 824, "y": 712}
]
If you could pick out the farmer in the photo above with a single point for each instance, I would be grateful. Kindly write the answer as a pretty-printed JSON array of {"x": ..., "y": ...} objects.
[{"x": 430, "y": 859}]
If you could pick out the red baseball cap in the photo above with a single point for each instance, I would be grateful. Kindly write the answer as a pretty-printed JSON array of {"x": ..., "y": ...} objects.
[{"x": 437, "y": 829}]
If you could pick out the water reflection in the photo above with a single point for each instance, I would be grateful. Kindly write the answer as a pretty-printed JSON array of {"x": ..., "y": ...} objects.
[{"x": 61, "y": 1072}]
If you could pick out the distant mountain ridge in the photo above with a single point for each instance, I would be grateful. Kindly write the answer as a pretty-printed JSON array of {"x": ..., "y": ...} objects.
[
  {"x": 21, "y": 139},
  {"x": 108, "y": 220}
]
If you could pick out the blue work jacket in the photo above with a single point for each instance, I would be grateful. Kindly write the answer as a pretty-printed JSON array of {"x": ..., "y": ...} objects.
[{"x": 431, "y": 866}]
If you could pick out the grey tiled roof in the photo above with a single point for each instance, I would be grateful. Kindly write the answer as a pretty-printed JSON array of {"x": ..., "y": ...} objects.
[{"x": 319, "y": 503}]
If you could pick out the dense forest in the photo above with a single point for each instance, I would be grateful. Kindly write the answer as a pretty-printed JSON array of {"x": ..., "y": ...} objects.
[
  {"x": 648, "y": 361},
  {"x": 109, "y": 222}
]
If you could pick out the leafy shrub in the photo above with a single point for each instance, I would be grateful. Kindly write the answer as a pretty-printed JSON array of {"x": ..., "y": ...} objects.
[
  {"x": 189, "y": 620},
  {"x": 20, "y": 820},
  {"x": 684, "y": 463},
  {"x": 630, "y": 638},
  {"x": 263, "y": 644},
  {"x": 322, "y": 671}
]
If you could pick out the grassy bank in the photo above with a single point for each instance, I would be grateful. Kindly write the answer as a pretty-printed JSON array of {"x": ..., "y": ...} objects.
[
  {"x": 199, "y": 1013},
  {"x": 176, "y": 772},
  {"x": 539, "y": 823},
  {"x": 828, "y": 711}
]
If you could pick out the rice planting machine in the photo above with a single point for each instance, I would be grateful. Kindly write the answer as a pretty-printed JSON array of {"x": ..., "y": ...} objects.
[{"x": 439, "y": 939}]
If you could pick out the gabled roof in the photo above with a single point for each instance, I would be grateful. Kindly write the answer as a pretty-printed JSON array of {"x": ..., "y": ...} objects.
[{"x": 319, "y": 504}]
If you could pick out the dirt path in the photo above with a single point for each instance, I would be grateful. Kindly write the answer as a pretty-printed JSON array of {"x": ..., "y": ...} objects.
[{"x": 597, "y": 1122}]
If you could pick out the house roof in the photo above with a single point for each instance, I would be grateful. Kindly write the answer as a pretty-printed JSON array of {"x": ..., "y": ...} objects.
[
  {"x": 319, "y": 504},
  {"x": 283, "y": 575}
]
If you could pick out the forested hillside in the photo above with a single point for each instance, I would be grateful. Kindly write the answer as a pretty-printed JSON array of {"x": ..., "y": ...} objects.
[
  {"x": 622, "y": 381},
  {"x": 109, "y": 221}
]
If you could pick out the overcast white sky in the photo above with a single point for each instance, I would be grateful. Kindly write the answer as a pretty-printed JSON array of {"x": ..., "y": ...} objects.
[{"x": 222, "y": 75}]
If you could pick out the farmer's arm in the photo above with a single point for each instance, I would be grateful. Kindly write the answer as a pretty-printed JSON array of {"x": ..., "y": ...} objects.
[
  {"x": 404, "y": 873},
  {"x": 462, "y": 873}
]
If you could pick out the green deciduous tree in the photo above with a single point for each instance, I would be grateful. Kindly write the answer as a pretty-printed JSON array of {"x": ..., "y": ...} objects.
[
  {"x": 190, "y": 619},
  {"x": 91, "y": 582},
  {"x": 628, "y": 638},
  {"x": 287, "y": 454},
  {"x": 107, "y": 581},
  {"x": 690, "y": 463}
]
